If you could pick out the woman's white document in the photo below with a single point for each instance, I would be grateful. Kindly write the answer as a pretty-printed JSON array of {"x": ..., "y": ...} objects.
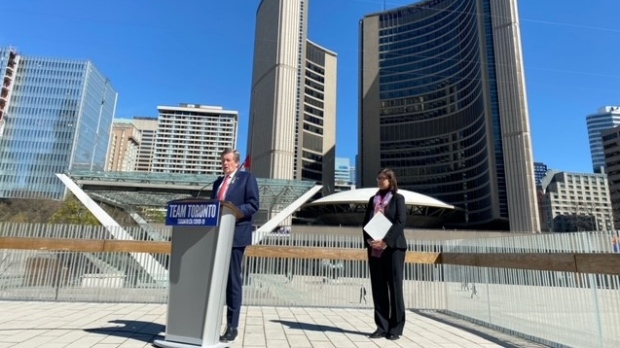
[{"x": 378, "y": 226}]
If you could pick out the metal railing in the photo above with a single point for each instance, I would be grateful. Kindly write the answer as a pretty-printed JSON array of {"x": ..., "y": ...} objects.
[{"x": 558, "y": 289}]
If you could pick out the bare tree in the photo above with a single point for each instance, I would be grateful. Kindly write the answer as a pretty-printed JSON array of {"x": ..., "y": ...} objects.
[
  {"x": 583, "y": 216},
  {"x": 42, "y": 210},
  {"x": 33, "y": 210}
]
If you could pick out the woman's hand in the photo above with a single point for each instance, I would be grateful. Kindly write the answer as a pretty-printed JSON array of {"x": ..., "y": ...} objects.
[{"x": 377, "y": 244}]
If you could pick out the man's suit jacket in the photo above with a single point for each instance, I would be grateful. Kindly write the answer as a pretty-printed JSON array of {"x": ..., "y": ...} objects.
[
  {"x": 396, "y": 212},
  {"x": 243, "y": 193}
]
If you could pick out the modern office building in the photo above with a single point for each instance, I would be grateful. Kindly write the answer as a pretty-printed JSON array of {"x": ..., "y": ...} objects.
[
  {"x": 292, "y": 133},
  {"x": 9, "y": 61},
  {"x": 443, "y": 103},
  {"x": 147, "y": 126},
  {"x": 56, "y": 116},
  {"x": 605, "y": 118},
  {"x": 540, "y": 169},
  {"x": 577, "y": 202},
  {"x": 611, "y": 148},
  {"x": 191, "y": 137},
  {"x": 344, "y": 175},
  {"x": 124, "y": 143}
]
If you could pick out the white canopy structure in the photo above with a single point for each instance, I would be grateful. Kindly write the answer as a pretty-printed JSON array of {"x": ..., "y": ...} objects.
[{"x": 348, "y": 207}]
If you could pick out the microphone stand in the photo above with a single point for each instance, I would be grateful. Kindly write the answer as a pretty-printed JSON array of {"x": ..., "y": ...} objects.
[{"x": 202, "y": 189}]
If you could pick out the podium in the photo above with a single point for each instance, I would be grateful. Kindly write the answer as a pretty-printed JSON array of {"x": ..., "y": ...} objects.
[{"x": 202, "y": 237}]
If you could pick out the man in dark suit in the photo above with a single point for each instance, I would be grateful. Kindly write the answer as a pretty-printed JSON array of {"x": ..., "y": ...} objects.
[{"x": 241, "y": 189}]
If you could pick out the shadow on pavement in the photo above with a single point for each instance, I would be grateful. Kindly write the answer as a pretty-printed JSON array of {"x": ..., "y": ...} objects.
[
  {"x": 499, "y": 338},
  {"x": 314, "y": 327},
  {"x": 137, "y": 330}
]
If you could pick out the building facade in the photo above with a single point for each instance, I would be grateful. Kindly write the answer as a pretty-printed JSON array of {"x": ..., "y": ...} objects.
[
  {"x": 191, "y": 137},
  {"x": 344, "y": 175},
  {"x": 9, "y": 60},
  {"x": 124, "y": 143},
  {"x": 540, "y": 169},
  {"x": 147, "y": 127},
  {"x": 577, "y": 202},
  {"x": 56, "y": 117},
  {"x": 611, "y": 149},
  {"x": 443, "y": 103},
  {"x": 605, "y": 118},
  {"x": 293, "y": 98}
]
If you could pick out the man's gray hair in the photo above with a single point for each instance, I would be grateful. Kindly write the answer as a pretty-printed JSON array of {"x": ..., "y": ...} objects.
[{"x": 236, "y": 154}]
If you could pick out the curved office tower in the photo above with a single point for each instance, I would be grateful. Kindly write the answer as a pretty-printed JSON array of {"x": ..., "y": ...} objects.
[{"x": 442, "y": 101}]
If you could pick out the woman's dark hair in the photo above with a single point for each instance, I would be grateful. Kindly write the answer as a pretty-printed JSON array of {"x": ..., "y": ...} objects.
[{"x": 389, "y": 174}]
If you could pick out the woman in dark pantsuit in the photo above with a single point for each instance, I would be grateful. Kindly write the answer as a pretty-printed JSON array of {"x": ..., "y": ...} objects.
[{"x": 386, "y": 257}]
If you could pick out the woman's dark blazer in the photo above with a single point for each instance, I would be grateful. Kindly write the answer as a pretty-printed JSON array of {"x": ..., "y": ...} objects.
[{"x": 396, "y": 212}]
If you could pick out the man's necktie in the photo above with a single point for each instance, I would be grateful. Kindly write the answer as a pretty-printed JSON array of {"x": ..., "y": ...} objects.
[{"x": 222, "y": 192}]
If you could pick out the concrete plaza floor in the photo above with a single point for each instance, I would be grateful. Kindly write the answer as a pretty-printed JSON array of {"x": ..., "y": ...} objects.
[{"x": 80, "y": 325}]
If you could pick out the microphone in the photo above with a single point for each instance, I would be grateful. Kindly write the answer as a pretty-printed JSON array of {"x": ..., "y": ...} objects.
[{"x": 202, "y": 189}]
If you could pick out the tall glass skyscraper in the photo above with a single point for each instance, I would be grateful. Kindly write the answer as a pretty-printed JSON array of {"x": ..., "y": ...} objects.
[
  {"x": 605, "y": 118},
  {"x": 443, "y": 103},
  {"x": 540, "y": 169},
  {"x": 57, "y": 118}
]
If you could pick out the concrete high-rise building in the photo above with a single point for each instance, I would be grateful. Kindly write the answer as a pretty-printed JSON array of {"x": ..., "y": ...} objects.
[
  {"x": 292, "y": 133},
  {"x": 577, "y": 202},
  {"x": 124, "y": 143},
  {"x": 611, "y": 146},
  {"x": 147, "y": 126},
  {"x": 55, "y": 117},
  {"x": 191, "y": 137},
  {"x": 443, "y": 103},
  {"x": 605, "y": 118}
]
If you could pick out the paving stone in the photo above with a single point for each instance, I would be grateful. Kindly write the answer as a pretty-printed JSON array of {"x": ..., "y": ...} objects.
[{"x": 101, "y": 325}]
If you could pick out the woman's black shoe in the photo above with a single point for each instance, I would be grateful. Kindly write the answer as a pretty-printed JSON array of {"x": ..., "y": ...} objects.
[
  {"x": 392, "y": 337},
  {"x": 377, "y": 334}
]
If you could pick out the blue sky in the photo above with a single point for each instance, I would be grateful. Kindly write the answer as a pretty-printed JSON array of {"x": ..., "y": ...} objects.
[{"x": 200, "y": 51}]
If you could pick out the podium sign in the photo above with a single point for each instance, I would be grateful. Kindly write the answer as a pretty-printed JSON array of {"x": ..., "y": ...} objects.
[
  {"x": 193, "y": 213},
  {"x": 202, "y": 238}
]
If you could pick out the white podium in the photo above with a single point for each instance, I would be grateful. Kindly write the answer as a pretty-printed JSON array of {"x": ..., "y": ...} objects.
[{"x": 202, "y": 237}]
